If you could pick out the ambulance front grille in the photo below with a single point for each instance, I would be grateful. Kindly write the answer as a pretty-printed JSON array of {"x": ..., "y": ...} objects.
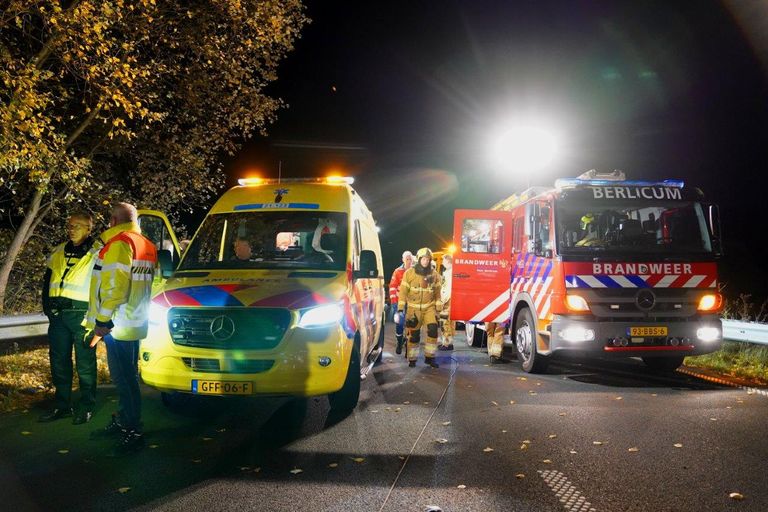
[
  {"x": 228, "y": 328},
  {"x": 205, "y": 365}
]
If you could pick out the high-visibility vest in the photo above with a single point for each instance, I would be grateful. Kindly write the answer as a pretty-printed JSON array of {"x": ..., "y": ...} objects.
[
  {"x": 121, "y": 283},
  {"x": 71, "y": 276}
]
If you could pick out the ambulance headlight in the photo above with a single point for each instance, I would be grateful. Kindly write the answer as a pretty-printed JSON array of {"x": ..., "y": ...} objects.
[
  {"x": 321, "y": 316},
  {"x": 708, "y": 334},
  {"x": 158, "y": 315}
]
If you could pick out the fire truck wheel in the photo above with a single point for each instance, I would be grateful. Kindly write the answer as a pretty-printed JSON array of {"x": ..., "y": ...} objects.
[
  {"x": 663, "y": 364},
  {"x": 475, "y": 335},
  {"x": 525, "y": 344},
  {"x": 345, "y": 400}
]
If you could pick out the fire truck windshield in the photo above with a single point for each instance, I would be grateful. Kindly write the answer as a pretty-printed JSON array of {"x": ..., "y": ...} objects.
[{"x": 641, "y": 227}]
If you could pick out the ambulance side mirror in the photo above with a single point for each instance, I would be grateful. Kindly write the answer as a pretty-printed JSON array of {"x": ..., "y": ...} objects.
[
  {"x": 368, "y": 266},
  {"x": 167, "y": 266}
]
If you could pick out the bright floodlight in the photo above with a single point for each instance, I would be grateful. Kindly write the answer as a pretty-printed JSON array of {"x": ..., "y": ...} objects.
[{"x": 523, "y": 148}]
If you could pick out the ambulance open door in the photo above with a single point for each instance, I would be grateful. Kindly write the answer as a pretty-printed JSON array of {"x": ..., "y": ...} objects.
[{"x": 480, "y": 288}]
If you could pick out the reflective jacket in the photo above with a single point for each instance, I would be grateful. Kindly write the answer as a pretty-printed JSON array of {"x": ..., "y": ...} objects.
[
  {"x": 69, "y": 271},
  {"x": 394, "y": 284},
  {"x": 419, "y": 290},
  {"x": 121, "y": 283}
]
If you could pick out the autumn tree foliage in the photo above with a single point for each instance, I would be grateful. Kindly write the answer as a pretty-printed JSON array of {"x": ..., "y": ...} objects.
[{"x": 105, "y": 100}]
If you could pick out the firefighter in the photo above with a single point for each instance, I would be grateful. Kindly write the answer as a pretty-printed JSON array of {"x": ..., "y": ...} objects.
[
  {"x": 394, "y": 290},
  {"x": 420, "y": 290},
  {"x": 589, "y": 231},
  {"x": 445, "y": 304},
  {"x": 65, "y": 301},
  {"x": 495, "y": 332},
  {"x": 118, "y": 312}
]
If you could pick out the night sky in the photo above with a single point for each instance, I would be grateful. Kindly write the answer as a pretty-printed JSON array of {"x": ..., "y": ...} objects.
[{"x": 404, "y": 96}]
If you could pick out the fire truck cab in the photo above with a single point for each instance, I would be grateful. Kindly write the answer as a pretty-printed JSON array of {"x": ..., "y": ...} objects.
[{"x": 598, "y": 264}]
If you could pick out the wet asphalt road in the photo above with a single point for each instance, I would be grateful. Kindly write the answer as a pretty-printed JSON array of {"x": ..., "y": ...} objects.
[{"x": 589, "y": 435}]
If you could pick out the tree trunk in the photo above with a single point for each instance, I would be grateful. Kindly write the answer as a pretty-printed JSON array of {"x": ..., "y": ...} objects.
[{"x": 18, "y": 244}]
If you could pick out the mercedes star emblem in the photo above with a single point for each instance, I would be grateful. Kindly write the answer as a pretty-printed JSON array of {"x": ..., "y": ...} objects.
[
  {"x": 222, "y": 328},
  {"x": 645, "y": 299}
]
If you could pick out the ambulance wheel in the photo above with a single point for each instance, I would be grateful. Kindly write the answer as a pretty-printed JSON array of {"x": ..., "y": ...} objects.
[
  {"x": 525, "y": 344},
  {"x": 345, "y": 400},
  {"x": 380, "y": 344},
  {"x": 663, "y": 364}
]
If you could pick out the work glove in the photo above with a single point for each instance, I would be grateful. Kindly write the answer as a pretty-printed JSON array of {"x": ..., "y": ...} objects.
[
  {"x": 412, "y": 322},
  {"x": 396, "y": 317}
]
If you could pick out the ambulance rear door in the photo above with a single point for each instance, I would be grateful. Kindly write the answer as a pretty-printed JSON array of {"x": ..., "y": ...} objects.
[{"x": 480, "y": 290}]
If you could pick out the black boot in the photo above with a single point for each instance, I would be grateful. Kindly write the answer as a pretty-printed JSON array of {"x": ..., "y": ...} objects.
[
  {"x": 431, "y": 362},
  {"x": 400, "y": 341},
  {"x": 112, "y": 429},
  {"x": 54, "y": 415},
  {"x": 131, "y": 441}
]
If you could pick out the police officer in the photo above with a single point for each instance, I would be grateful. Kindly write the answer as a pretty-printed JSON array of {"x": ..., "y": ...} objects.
[
  {"x": 65, "y": 301},
  {"x": 420, "y": 290}
]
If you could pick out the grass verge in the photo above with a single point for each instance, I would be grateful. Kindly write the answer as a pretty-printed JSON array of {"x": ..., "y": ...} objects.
[
  {"x": 742, "y": 360},
  {"x": 25, "y": 377}
]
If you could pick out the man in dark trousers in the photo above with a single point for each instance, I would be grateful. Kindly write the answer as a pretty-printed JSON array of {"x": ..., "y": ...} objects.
[
  {"x": 65, "y": 301},
  {"x": 118, "y": 313}
]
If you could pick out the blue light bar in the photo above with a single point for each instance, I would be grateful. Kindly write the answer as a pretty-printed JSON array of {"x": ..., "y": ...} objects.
[{"x": 576, "y": 182}]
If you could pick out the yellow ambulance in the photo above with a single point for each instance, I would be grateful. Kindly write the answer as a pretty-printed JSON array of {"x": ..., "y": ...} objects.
[{"x": 280, "y": 292}]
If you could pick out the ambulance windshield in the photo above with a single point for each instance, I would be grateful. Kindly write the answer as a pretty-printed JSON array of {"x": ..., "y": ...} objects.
[
  {"x": 642, "y": 227},
  {"x": 269, "y": 239}
]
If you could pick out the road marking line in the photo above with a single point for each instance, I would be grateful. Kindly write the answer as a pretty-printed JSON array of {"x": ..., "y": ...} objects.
[
  {"x": 408, "y": 457},
  {"x": 725, "y": 382},
  {"x": 571, "y": 498}
]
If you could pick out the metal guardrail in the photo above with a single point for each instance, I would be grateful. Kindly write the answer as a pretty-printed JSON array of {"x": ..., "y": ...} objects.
[
  {"x": 27, "y": 326},
  {"x": 23, "y": 326},
  {"x": 750, "y": 332}
]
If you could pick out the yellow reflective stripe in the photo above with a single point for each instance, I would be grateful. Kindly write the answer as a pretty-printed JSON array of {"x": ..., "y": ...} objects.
[
  {"x": 112, "y": 266},
  {"x": 421, "y": 306}
]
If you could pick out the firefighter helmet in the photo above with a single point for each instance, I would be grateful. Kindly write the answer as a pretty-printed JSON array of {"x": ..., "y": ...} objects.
[{"x": 424, "y": 251}]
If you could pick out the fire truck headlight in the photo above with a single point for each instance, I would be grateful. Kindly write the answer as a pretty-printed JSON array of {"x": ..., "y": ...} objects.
[
  {"x": 576, "y": 303},
  {"x": 577, "y": 334},
  {"x": 708, "y": 334},
  {"x": 710, "y": 302}
]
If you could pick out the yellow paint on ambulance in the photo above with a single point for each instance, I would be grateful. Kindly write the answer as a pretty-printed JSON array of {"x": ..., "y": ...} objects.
[{"x": 269, "y": 298}]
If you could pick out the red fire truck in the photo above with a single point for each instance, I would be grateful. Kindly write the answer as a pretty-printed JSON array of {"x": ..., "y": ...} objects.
[{"x": 598, "y": 264}]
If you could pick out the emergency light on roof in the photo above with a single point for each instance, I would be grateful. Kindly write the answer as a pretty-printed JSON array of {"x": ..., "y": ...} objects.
[
  {"x": 337, "y": 180},
  {"x": 606, "y": 179},
  {"x": 576, "y": 182}
]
